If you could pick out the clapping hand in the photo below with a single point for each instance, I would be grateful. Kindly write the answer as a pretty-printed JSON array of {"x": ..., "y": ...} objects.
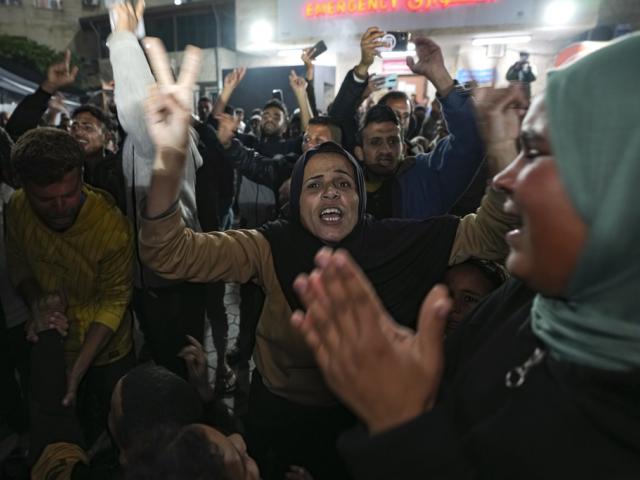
[{"x": 385, "y": 373}]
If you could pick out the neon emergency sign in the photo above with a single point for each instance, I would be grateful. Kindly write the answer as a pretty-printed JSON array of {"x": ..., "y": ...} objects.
[{"x": 338, "y": 8}]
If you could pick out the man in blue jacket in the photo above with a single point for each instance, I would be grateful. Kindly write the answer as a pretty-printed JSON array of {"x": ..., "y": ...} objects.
[{"x": 427, "y": 184}]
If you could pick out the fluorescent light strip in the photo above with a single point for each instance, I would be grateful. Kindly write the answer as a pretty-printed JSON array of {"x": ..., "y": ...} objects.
[{"x": 479, "y": 42}]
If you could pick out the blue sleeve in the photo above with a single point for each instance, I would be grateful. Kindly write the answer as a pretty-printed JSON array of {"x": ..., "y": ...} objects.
[{"x": 452, "y": 165}]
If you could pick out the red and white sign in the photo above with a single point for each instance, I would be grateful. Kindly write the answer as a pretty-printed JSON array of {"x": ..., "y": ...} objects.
[{"x": 395, "y": 65}]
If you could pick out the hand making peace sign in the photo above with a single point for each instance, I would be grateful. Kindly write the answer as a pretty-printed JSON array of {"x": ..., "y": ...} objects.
[{"x": 170, "y": 103}]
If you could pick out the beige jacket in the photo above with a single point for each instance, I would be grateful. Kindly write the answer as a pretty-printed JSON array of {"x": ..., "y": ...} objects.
[{"x": 281, "y": 355}]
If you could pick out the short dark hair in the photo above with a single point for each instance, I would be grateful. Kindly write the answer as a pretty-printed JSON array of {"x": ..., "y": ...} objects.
[
  {"x": 420, "y": 107},
  {"x": 331, "y": 124},
  {"x": 238, "y": 110},
  {"x": 175, "y": 454},
  {"x": 99, "y": 114},
  {"x": 275, "y": 103},
  {"x": 394, "y": 95},
  {"x": 45, "y": 155},
  {"x": 204, "y": 99},
  {"x": 152, "y": 395},
  {"x": 377, "y": 114}
]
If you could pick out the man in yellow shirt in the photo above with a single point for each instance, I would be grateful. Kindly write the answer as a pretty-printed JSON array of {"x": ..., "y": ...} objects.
[{"x": 69, "y": 253}]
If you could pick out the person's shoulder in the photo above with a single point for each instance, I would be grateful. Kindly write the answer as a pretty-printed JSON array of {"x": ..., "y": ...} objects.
[
  {"x": 17, "y": 200},
  {"x": 105, "y": 209},
  {"x": 409, "y": 164},
  {"x": 18, "y": 206},
  {"x": 59, "y": 460}
]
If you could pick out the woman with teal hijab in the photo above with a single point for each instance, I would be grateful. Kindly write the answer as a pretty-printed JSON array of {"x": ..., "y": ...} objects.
[
  {"x": 594, "y": 113},
  {"x": 543, "y": 381}
]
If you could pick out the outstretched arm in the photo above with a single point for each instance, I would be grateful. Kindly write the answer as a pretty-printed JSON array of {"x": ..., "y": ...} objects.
[
  {"x": 166, "y": 246},
  {"x": 168, "y": 113},
  {"x": 32, "y": 107},
  {"x": 132, "y": 76},
  {"x": 482, "y": 234},
  {"x": 309, "y": 74},
  {"x": 231, "y": 81},
  {"x": 349, "y": 97},
  {"x": 299, "y": 87}
]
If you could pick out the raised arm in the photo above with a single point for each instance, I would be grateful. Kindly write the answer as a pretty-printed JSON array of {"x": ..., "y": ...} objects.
[
  {"x": 231, "y": 81},
  {"x": 450, "y": 168},
  {"x": 166, "y": 245},
  {"x": 482, "y": 234},
  {"x": 299, "y": 87},
  {"x": 308, "y": 76},
  {"x": 131, "y": 75},
  {"x": 349, "y": 97},
  {"x": 29, "y": 111}
]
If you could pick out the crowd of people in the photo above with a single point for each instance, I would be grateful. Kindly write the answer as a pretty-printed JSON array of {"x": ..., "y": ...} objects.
[{"x": 426, "y": 291}]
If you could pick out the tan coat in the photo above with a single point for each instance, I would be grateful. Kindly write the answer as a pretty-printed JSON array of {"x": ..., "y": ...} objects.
[{"x": 281, "y": 355}]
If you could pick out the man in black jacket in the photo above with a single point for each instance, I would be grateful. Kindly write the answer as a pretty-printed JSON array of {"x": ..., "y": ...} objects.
[{"x": 91, "y": 127}]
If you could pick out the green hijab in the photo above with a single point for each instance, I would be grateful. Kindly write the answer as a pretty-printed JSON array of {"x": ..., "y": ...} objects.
[{"x": 594, "y": 123}]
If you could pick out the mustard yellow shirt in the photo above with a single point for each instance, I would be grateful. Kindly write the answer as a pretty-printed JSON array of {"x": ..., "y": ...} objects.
[{"x": 90, "y": 264}]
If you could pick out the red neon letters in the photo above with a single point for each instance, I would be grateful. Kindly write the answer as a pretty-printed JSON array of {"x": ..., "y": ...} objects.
[{"x": 334, "y": 8}]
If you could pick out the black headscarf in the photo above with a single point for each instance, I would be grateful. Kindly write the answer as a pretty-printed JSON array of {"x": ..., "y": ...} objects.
[{"x": 402, "y": 258}]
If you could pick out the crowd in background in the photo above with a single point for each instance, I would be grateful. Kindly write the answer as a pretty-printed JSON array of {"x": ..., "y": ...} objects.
[{"x": 435, "y": 290}]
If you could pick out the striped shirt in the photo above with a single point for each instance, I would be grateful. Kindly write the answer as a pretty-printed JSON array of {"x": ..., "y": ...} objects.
[{"x": 89, "y": 264}]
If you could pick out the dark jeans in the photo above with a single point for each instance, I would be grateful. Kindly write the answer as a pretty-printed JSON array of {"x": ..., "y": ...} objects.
[
  {"x": 14, "y": 358},
  {"x": 281, "y": 433},
  {"x": 94, "y": 395},
  {"x": 166, "y": 316}
]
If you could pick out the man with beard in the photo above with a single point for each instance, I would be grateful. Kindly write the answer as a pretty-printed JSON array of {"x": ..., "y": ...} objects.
[
  {"x": 274, "y": 120},
  {"x": 428, "y": 184},
  {"x": 91, "y": 128},
  {"x": 70, "y": 255}
]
